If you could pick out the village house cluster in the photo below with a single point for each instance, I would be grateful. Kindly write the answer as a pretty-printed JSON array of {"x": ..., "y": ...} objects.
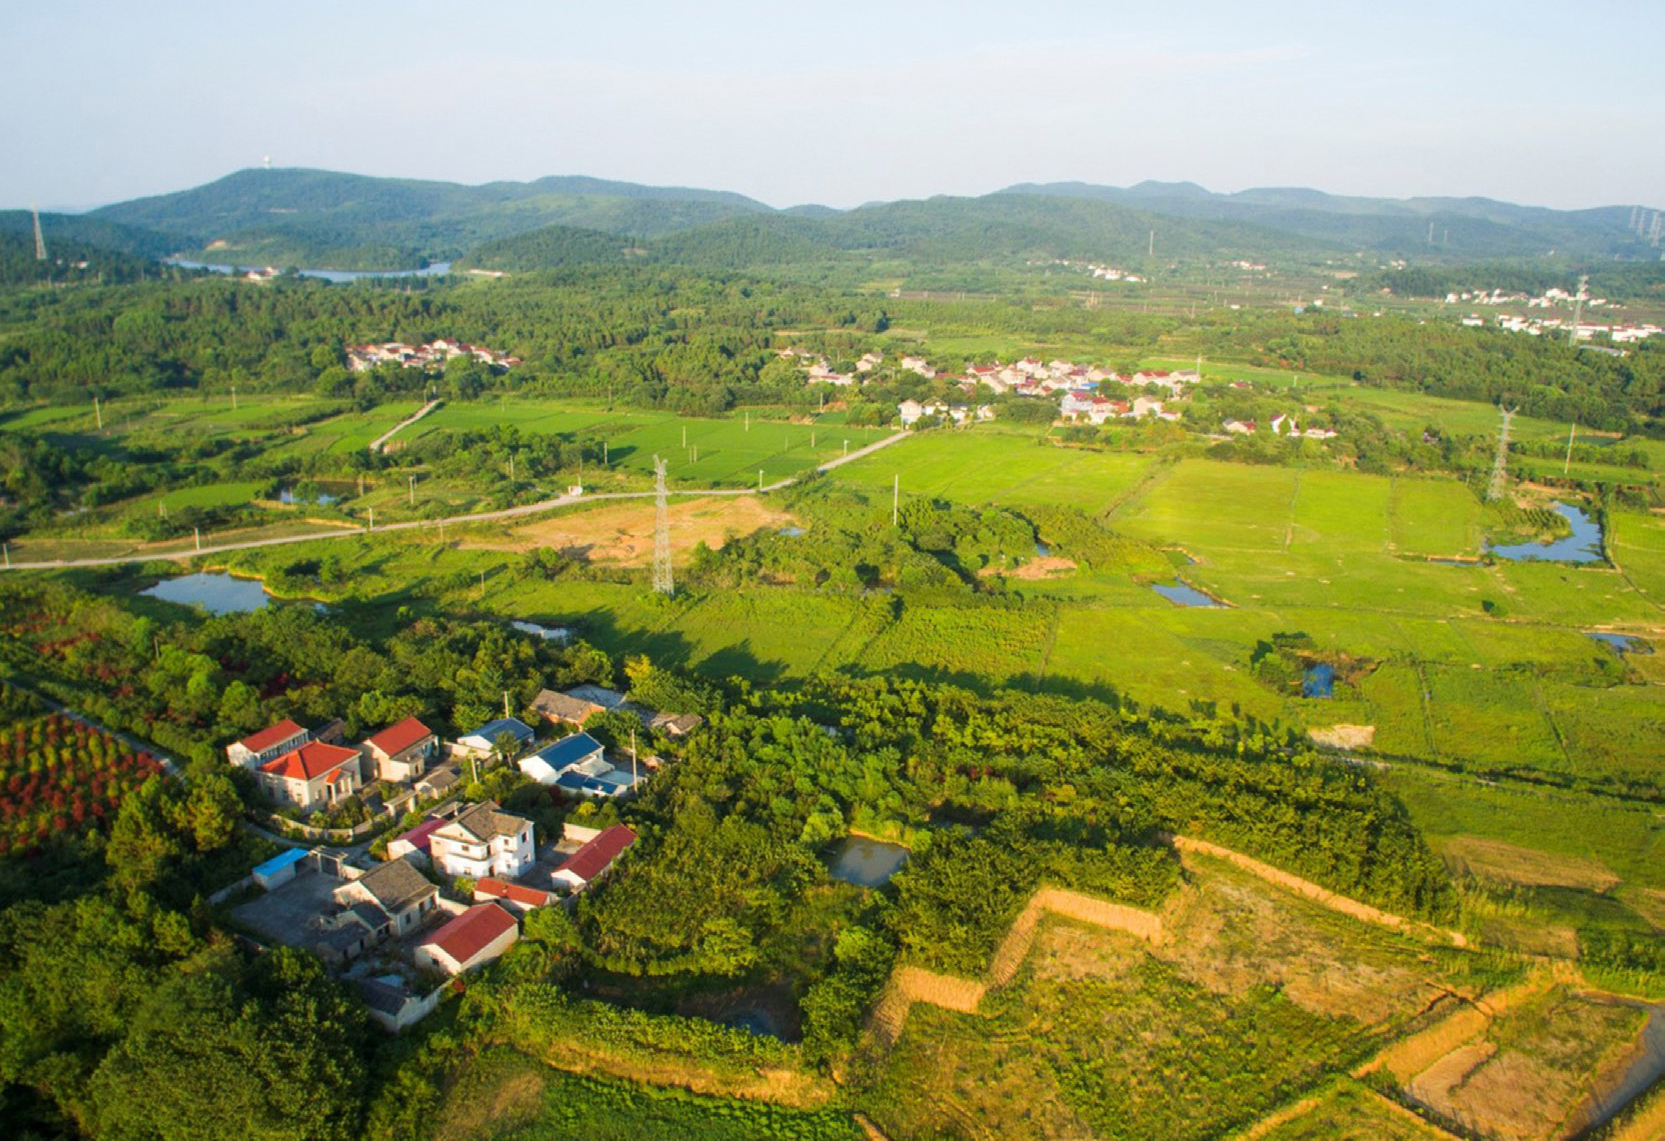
[
  {"x": 1619, "y": 334},
  {"x": 434, "y": 354},
  {"x": 384, "y": 925},
  {"x": 1281, "y": 425}
]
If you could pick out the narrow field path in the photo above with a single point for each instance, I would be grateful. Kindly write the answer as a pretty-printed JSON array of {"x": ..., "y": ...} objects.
[
  {"x": 521, "y": 511},
  {"x": 380, "y": 441}
]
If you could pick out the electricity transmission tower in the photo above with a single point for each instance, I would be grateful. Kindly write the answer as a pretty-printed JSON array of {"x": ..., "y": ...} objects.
[
  {"x": 662, "y": 582},
  {"x": 40, "y": 239},
  {"x": 1500, "y": 465}
]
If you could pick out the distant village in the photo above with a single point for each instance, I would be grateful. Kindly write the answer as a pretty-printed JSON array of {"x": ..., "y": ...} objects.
[
  {"x": 1085, "y": 394},
  {"x": 384, "y": 925},
  {"x": 1619, "y": 333},
  {"x": 434, "y": 354}
]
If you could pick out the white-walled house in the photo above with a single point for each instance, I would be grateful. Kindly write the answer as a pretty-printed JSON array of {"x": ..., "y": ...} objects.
[
  {"x": 592, "y": 861},
  {"x": 483, "y": 740},
  {"x": 312, "y": 776},
  {"x": 401, "y": 752},
  {"x": 472, "y": 939},
  {"x": 268, "y": 744},
  {"x": 482, "y": 840}
]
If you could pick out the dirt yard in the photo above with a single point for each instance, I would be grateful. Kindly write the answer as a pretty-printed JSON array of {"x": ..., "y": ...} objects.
[
  {"x": 622, "y": 535},
  {"x": 1049, "y": 566},
  {"x": 1345, "y": 736}
]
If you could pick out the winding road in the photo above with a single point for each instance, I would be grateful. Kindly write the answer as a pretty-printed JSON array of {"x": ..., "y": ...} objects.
[{"x": 417, "y": 524}]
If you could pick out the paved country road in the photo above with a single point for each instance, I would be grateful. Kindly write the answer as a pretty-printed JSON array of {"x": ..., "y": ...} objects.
[{"x": 418, "y": 524}]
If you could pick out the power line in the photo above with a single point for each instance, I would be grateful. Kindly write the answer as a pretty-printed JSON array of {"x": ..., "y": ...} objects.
[{"x": 662, "y": 581}]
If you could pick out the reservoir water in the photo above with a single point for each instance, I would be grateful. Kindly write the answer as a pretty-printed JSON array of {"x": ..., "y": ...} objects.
[
  {"x": 217, "y": 593},
  {"x": 433, "y": 269},
  {"x": 868, "y": 863},
  {"x": 1582, "y": 546}
]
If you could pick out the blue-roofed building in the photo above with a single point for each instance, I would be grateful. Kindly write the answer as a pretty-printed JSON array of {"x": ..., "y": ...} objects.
[
  {"x": 580, "y": 751},
  {"x": 484, "y": 739},
  {"x": 280, "y": 869}
]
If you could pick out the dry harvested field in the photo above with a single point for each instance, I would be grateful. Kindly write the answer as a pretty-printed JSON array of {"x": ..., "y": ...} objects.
[
  {"x": 1510, "y": 863},
  {"x": 622, "y": 535}
]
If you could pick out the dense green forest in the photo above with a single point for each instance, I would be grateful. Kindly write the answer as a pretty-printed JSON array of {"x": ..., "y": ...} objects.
[{"x": 661, "y": 337}]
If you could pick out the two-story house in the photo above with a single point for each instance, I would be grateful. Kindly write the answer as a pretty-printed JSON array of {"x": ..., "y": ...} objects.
[
  {"x": 483, "y": 840},
  {"x": 400, "y": 752},
  {"x": 268, "y": 744},
  {"x": 312, "y": 776}
]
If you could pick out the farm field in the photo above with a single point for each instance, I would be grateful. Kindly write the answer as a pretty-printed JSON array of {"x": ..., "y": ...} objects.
[{"x": 698, "y": 451}]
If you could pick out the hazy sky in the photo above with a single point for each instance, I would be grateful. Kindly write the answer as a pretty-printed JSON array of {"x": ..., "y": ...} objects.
[{"x": 842, "y": 101}]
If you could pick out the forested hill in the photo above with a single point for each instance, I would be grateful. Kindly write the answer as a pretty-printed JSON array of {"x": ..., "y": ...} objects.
[
  {"x": 303, "y": 216},
  {"x": 328, "y": 219},
  {"x": 1006, "y": 229},
  {"x": 1461, "y": 227}
]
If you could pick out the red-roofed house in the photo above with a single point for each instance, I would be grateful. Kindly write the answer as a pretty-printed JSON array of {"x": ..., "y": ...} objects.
[
  {"x": 311, "y": 776},
  {"x": 515, "y": 896},
  {"x": 591, "y": 862},
  {"x": 472, "y": 939},
  {"x": 414, "y": 843},
  {"x": 401, "y": 752},
  {"x": 258, "y": 748}
]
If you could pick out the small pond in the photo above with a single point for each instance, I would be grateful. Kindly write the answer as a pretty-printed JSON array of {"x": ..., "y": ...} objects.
[
  {"x": 1318, "y": 680},
  {"x": 561, "y": 634},
  {"x": 790, "y": 532},
  {"x": 867, "y": 863},
  {"x": 291, "y": 495},
  {"x": 755, "y": 1020},
  {"x": 1182, "y": 595},
  {"x": 1582, "y": 546},
  {"x": 1042, "y": 551},
  {"x": 217, "y": 593},
  {"x": 1622, "y": 643}
]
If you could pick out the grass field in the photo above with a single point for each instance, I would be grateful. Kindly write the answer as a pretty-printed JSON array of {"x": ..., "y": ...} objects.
[
  {"x": 506, "y": 1096},
  {"x": 1252, "y": 999}
]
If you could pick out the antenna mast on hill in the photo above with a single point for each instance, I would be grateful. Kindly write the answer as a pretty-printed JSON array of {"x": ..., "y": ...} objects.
[
  {"x": 40, "y": 239},
  {"x": 662, "y": 582}
]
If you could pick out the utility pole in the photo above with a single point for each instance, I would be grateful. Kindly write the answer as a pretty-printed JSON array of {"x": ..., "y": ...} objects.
[
  {"x": 413, "y": 490},
  {"x": 8, "y": 549},
  {"x": 511, "y": 467},
  {"x": 895, "y": 499},
  {"x": 505, "y": 704},
  {"x": 99, "y": 412},
  {"x": 1152, "y": 250},
  {"x": 198, "y": 531},
  {"x": 760, "y": 479},
  {"x": 748, "y": 420},
  {"x": 234, "y": 401},
  {"x": 662, "y": 580},
  {"x": 372, "y": 525},
  {"x": 1566, "y": 467}
]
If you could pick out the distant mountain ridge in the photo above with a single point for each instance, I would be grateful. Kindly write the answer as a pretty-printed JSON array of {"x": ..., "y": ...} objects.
[
  {"x": 329, "y": 219},
  {"x": 1462, "y": 227}
]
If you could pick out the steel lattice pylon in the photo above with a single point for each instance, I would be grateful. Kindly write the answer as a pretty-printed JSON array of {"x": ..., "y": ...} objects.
[{"x": 662, "y": 581}]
